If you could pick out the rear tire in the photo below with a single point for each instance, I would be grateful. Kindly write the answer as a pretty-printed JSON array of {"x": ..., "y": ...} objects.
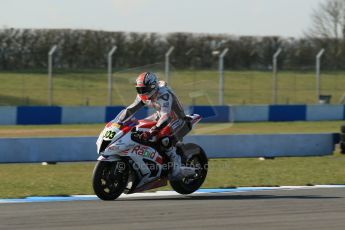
[
  {"x": 198, "y": 160},
  {"x": 342, "y": 147},
  {"x": 109, "y": 179},
  {"x": 342, "y": 129},
  {"x": 342, "y": 137}
]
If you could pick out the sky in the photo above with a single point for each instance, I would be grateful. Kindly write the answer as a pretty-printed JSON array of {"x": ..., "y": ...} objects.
[{"x": 287, "y": 18}]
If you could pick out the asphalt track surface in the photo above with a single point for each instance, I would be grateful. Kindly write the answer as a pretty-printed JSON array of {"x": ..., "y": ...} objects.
[{"x": 315, "y": 208}]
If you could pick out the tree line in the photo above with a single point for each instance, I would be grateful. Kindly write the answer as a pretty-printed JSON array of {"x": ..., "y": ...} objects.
[{"x": 79, "y": 49}]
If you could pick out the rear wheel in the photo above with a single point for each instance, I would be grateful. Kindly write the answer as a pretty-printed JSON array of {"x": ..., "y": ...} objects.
[
  {"x": 342, "y": 129},
  {"x": 197, "y": 160},
  {"x": 109, "y": 179}
]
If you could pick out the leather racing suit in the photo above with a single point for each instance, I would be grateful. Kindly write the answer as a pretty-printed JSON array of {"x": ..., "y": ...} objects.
[{"x": 170, "y": 117}]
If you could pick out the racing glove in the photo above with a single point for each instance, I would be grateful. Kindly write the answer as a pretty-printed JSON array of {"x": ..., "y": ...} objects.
[{"x": 145, "y": 136}]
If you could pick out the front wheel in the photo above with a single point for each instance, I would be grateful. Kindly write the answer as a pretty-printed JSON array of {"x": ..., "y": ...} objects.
[
  {"x": 192, "y": 156},
  {"x": 109, "y": 179}
]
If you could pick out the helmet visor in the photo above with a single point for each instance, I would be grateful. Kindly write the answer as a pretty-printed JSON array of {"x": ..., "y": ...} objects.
[{"x": 145, "y": 89}]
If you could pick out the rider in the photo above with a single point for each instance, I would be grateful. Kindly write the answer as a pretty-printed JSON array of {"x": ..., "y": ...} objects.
[{"x": 172, "y": 124}]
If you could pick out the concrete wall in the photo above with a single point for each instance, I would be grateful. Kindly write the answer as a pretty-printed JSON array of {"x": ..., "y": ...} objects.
[
  {"x": 25, "y": 115},
  {"x": 226, "y": 146},
  {"x": 325, "y": 112},
  {"x": 82, "y": 115},
  {"x": 269, "y": 145},
  {"x": 8, "y": 115},
  {"x": 250, "y": 113}
]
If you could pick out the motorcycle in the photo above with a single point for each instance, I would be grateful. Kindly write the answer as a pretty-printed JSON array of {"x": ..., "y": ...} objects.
[{"x": 126, "y": 164}]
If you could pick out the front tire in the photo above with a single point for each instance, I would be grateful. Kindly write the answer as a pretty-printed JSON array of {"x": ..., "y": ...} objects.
[
  {"x": 109, "y": 179},
  {"x": 198, "y": 160}
]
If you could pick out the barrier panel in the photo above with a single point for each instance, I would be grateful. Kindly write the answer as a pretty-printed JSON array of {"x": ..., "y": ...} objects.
[
  {"x": 325, "y": 112},
  {"x": 38, "y": 115},
  {"x": 25, "y": 150},
  {"x": 266, "y": 145},
  {"x": 212, "y": 113},
  {"x": 249, "y": 113},
  {"x": 25, "y": 115},
  {"x": 8, "y": 115},
  {"x": 70, "y": 149},
  {"x": 83, "y": 115},
  {"x": 287, "y": 113},
  {"x": 111, "y": 112}
]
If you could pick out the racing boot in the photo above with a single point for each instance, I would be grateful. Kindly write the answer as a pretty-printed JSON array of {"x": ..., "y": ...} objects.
[{"x": 178, "y": 171}]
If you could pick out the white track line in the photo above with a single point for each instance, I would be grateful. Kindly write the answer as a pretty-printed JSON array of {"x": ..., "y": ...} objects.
[{"x": 164, "y": 193}]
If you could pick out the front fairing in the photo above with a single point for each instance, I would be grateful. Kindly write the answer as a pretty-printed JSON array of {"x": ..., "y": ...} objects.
[
  {"x": 120, "y": 146},
  {"x": 114, "y": 137},
  {"x": 110, "y": 133}
]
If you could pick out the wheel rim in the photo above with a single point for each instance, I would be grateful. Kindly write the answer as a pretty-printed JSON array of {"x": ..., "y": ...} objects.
[
  {"x": 111, "y": 179},
  {"x": 194, "y": 162}
]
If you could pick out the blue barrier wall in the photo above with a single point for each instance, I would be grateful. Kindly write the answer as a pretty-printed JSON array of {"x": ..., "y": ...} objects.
[
  {"x": 212, "y": 113},
  {"x": 38, "y": 115},
  {"x": 236, "y": 113},
  {"x": 111, "y": 112},
  {"x": 71, "y": 149},
  {"x": 287, "y": 113}
]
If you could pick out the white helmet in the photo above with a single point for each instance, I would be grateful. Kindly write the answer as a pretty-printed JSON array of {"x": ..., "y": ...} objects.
[{"x": 146, "y": 85}]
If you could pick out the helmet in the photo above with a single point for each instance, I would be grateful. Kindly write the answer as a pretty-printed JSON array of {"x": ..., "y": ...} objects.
[{"x": 147, "y": 85}]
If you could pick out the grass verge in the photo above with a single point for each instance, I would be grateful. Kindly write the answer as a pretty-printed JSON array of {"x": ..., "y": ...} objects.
[{"x": 21, "y": 180}]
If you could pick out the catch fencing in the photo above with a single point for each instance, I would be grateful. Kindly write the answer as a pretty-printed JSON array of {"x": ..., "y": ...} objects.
[{"x": 193, "y": 87}]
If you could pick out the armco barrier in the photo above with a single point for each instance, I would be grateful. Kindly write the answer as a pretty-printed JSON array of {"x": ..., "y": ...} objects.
[
  {"x": 26, "y": 115},
  {"x": 24, "y": 150}
]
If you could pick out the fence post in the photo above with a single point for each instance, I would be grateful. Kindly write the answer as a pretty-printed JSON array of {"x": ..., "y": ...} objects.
[
  {"x": 221, "y": 76},
  {"x": 167, "y": 63},
  {"x": 110, "y": 80},
  {"x": 318, "y": 60},
  {"x": 275, "y": 68},
  {"x": 50, "y": 73}
]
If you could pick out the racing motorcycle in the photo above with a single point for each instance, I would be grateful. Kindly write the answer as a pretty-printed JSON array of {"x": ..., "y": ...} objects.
[{"x": 127, "y": 164}]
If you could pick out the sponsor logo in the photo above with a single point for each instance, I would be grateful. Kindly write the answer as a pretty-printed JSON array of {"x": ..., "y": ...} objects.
[
  {"x": 143, "y": 151},
  {"x": 113, "y": 148}
]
